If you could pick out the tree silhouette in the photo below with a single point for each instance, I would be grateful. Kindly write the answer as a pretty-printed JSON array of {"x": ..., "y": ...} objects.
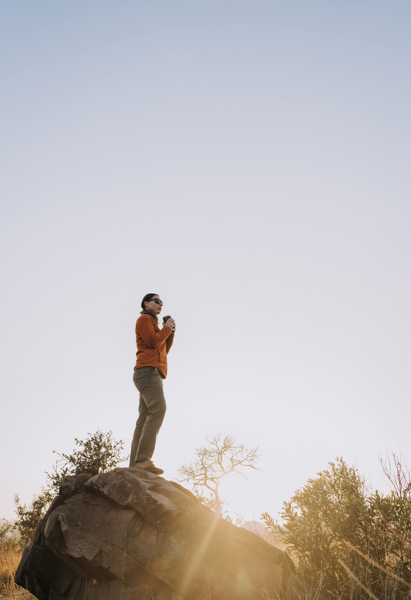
[{"x": 221, "y": 456}]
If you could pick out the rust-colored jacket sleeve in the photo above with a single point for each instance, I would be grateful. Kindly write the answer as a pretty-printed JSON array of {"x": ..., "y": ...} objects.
[
  {"x": 169, "y": 341},
  {"x": 149, "y": 334}
]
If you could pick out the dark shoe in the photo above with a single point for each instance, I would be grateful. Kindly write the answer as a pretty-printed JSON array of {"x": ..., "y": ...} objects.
[{"x": 148, "y": 465}]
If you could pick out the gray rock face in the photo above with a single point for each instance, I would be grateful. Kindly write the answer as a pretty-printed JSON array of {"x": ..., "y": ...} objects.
[{"x": 132, "y": 535}]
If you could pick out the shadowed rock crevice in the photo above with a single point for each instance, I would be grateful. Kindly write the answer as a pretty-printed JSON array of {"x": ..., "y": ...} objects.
[{"x": 132, "y": 535}]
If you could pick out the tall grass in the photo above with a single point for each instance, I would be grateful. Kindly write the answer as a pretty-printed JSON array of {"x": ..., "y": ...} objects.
[
  {"x": 10, "y": 556},
  {"x": 373, "y": 580}
]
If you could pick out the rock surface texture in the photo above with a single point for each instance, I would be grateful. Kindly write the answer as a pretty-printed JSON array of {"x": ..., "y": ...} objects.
[{"x": 132, "y": 535}]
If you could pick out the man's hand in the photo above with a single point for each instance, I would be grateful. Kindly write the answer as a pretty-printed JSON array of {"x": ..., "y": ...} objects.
[{"x": 170, "y": 323}]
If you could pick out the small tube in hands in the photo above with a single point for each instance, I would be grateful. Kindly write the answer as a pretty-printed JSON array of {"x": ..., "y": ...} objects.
[{"x": 166, "y": 319}]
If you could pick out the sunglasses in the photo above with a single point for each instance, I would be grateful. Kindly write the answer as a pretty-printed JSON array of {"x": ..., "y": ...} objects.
[{"x": 158, "y": 301}]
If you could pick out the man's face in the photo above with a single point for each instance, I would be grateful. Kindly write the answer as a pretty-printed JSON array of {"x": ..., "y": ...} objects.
[{"x": 155, "y": 306}]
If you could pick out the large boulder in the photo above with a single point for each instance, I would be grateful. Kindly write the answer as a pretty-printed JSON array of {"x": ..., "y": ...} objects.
[{"x": 132, "y": 535}]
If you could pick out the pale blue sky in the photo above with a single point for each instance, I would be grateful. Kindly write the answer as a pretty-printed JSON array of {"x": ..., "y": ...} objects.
[{"x": 249, "y": 162}]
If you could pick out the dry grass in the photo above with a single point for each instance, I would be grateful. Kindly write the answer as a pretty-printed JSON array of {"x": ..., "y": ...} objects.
[{"x": 10, "y": 556}]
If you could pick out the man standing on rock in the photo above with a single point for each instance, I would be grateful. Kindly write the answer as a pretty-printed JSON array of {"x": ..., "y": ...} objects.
[{"x": 153, "y": 345}]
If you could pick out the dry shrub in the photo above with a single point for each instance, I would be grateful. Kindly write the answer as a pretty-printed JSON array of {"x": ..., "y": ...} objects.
[{"x": 10, "y": 555}]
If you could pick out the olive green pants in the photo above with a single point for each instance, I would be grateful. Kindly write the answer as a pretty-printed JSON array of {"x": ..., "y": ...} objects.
[{"x": 151, "y": 411}]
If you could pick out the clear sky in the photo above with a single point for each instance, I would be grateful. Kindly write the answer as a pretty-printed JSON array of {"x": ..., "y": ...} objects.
[{"x": 249, "y": 161}]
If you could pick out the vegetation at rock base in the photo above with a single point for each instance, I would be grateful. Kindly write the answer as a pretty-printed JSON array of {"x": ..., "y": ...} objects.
[
  {"x": 221, "y": 456},
  {"x": 346, "y": 542},
  {"x": 10, "y": 555},
  {"x": 98, "y": 453}
]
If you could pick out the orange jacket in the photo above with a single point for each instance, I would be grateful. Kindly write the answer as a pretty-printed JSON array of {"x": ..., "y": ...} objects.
[{"x": 153, "y": 344}]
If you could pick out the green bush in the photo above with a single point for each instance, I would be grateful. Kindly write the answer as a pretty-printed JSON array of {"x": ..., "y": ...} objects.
[
  {"x": 346, "y": 542},
  {"x": 28, "y": 517},
  {"x": 98, "y": 453}
]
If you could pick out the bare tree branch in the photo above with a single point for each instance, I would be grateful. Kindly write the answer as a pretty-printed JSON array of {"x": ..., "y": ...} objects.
[
  {"x": 221, "y": 456},
  {"x": 398, "y": 474}
]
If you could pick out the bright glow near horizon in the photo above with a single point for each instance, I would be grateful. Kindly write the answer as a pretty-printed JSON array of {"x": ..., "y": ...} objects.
[{"x": 249, "y": 162}]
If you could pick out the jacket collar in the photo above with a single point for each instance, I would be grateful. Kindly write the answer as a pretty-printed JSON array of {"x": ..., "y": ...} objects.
[{"x": 151, "y": 313}]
